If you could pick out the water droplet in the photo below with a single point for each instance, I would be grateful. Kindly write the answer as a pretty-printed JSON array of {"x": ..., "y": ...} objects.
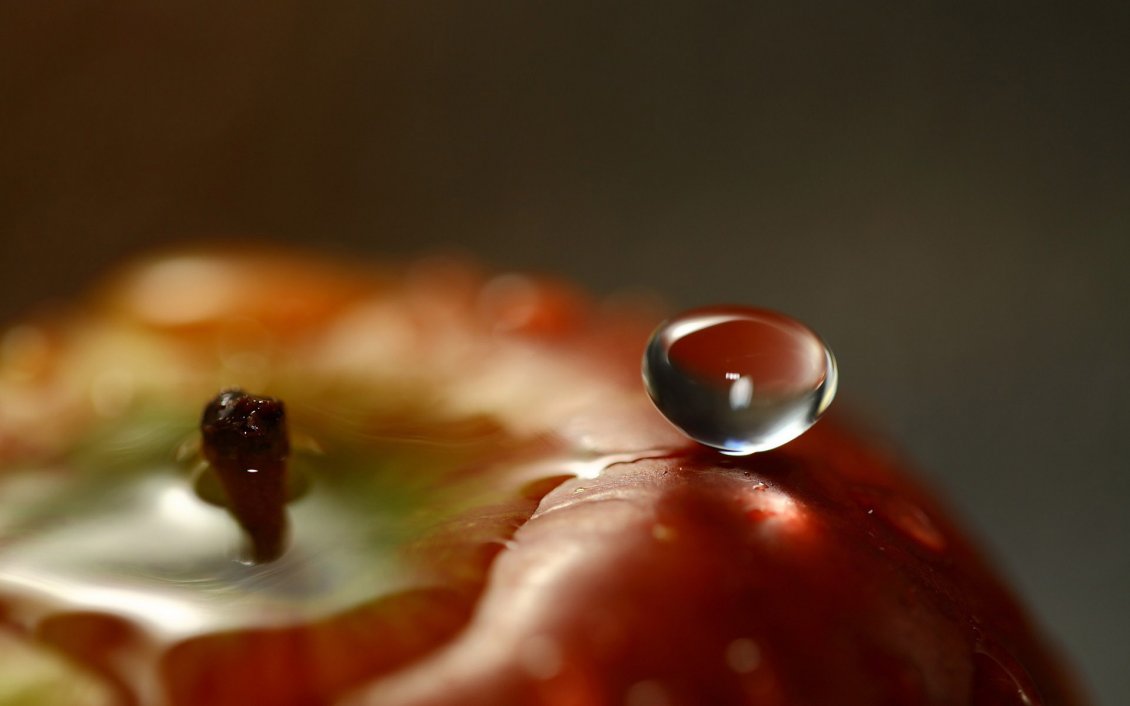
[
  {"x": 903, "y": 515},
  {"x": 739, "y": 379},
  {"x": 914, "y": 523}
]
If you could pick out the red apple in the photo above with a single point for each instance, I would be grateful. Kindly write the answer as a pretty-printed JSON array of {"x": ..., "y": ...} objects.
[{"x": 484, "y": 508}]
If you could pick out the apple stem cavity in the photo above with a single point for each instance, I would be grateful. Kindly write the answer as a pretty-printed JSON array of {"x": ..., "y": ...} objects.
[{"x": 246, "y": 442}]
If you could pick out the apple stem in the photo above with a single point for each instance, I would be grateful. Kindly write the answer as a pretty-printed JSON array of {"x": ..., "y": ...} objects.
[{"x": 245, "y": 440}]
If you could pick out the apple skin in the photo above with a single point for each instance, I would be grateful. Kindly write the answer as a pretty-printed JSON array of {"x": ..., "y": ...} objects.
[
  {"x": 814, "y": 574},
  {"x": 817, "y": 573}
]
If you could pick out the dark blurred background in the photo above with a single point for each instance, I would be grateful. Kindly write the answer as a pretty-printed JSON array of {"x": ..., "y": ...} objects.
[{"x": 941, "y": 189}]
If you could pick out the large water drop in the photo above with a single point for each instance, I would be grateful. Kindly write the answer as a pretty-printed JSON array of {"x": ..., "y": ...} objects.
[{"x": 739, "y": 379}]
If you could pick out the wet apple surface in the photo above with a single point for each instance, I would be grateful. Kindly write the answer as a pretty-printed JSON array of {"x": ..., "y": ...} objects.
[{"x": 480, "y": 506}]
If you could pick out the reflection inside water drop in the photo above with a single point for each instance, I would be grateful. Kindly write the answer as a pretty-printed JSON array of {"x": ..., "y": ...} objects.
[{"x": 739, "y": 379}]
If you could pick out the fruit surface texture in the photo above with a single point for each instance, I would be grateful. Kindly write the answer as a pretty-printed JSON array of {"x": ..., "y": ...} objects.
[{"x": 484, "y": 509}]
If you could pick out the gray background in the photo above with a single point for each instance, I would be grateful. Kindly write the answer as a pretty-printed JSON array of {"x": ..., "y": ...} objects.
[{"x": 941, "y": 189}]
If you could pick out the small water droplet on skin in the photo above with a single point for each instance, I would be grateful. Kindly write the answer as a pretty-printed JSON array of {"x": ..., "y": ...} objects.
[
  {"x": 664, "y": 533},
  {"x": 914, "y": 523},
  {"x": 646, "y": 693},
  {"x": 743, "y": 655},
  {"x": 903, "y": 515},
  {"x": 591, "y": 466},
  {"x": 739, "y": 379}
]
